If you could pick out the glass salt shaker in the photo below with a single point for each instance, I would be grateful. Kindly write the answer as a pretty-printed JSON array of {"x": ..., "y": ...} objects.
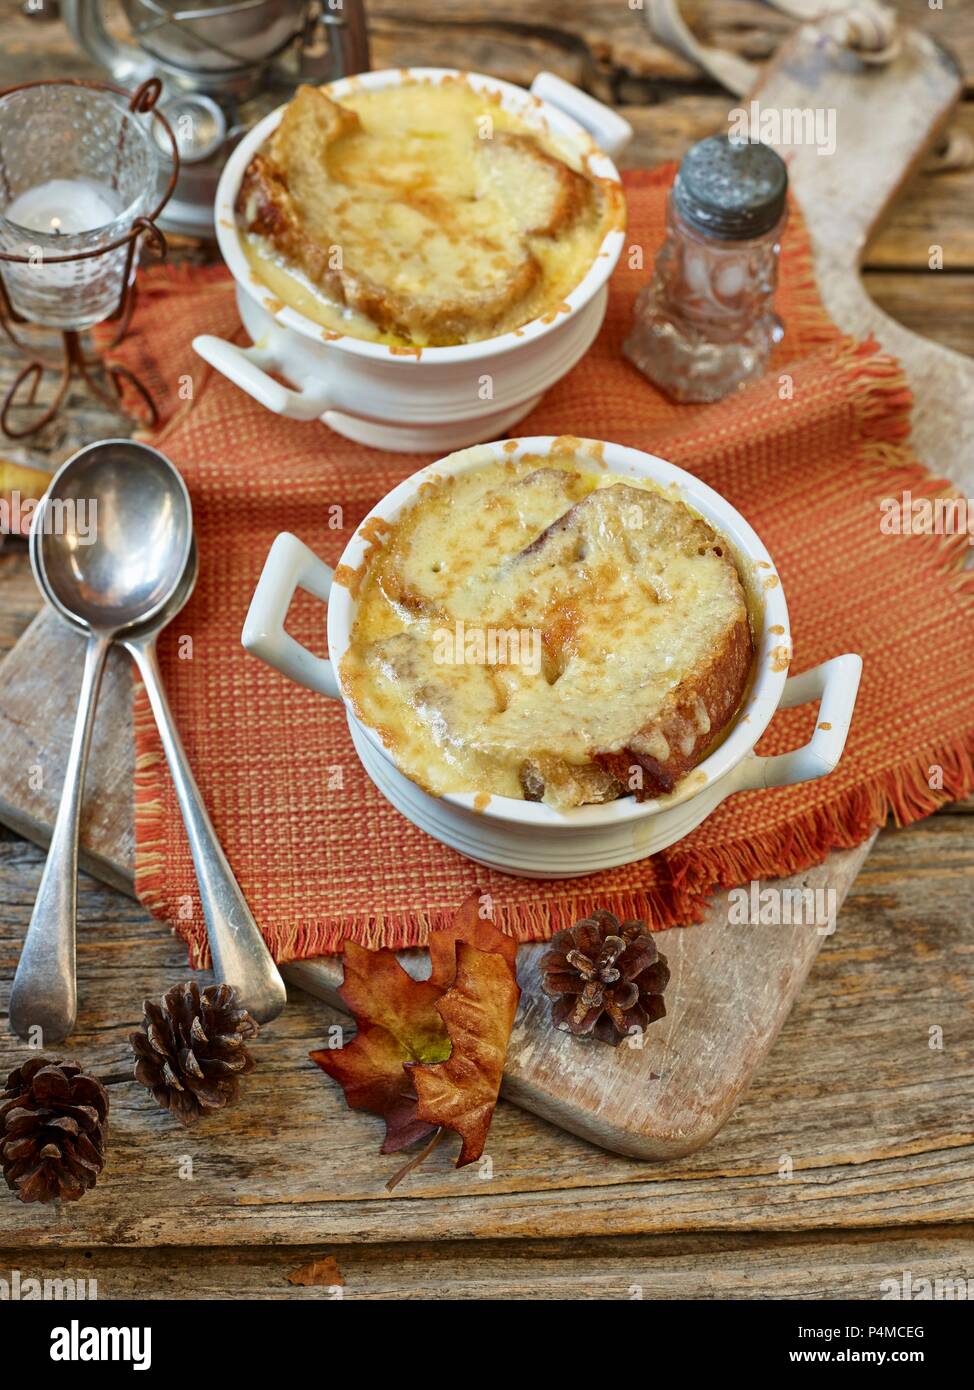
[{"x": 706, "y": 323}]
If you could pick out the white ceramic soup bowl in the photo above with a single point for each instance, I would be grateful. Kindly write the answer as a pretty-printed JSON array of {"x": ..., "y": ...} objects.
[
  {"x": 529, "y": 838},
  {"x": 444, "y": 397}
]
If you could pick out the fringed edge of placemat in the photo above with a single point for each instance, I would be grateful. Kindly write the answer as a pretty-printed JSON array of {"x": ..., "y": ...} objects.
[
  {"x": 905, "y": 793},
  {"x": 150, "y": 813},
  {"x": 525, "y": 923},
  {"x": 691, "y": 876}
]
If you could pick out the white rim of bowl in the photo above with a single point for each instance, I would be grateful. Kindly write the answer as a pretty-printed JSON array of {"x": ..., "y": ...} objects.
[
  {"x": 768, "y": 682},
  {"x": 532, "y": 109}
]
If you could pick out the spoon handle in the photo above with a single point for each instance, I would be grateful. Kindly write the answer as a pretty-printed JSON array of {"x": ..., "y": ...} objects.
[
  {"x": 45, "y": 992},
  {"x": 240, "y": 955}
]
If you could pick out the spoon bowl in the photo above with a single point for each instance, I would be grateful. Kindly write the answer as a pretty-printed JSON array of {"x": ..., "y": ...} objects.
[
  {"x": 112, "y": 551},
  {"x": 109, "y": 544},
  {"x": 159, "y": 619},
  {"x": 112, "y": 535}
]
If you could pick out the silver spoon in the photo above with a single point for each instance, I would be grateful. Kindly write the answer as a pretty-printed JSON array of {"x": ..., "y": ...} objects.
[
  {"x": 108, "y": 543},
  {"x": 240, "y": 954},
  {"x": 122, "y": 583}
]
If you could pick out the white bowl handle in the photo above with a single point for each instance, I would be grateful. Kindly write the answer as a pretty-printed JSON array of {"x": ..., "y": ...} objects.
[
  {"x": 289, "y": 565},
  {"x": 244, "y": 367},
  {"x": 836, "y": 684},
  {"x": 606, "y": 127}
]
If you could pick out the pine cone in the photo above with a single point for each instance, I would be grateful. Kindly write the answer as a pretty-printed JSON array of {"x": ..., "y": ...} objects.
[
  {"x": 53, "y": 1122},
  {"x": 190, "y": 1053},
  {"x": 606, "y": 978}
]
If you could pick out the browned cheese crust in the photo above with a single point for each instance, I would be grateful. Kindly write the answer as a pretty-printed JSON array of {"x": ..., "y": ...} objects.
[
  {"x": 270, "y": 205},
  {"x": 718, "y": 688},
  {"x": 692, "y": 717}
]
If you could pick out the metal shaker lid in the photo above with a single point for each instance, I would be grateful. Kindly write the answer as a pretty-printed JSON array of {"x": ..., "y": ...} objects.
[{"x": 731, "y": 189}]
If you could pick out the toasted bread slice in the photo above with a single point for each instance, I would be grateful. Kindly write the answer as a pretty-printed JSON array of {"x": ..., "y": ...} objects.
[
  {"x": 419, "y": 266},
  {"x": 528, "y": 633},
  {"x": 427, "y": 257},
  {"x": 544, "y": 195},
  {"x": 444, "y": 698},
  {"x": 706, "y": 647},
  {"x": 310, "y": 126},
  {"x": 564, "y": 784},
  {"x": 665, "y": 749},
  {"x": 450, "y": 700},
  {"x": 515, "y": 508}
]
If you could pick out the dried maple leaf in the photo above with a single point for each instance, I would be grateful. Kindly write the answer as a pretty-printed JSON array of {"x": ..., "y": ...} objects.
[
  {"x": 478, "y": 1011},
  {"x": 397, "y": 1023},
  {"x": 449, "y": 1031},
  {"x": 468, "y": 925},
  {"x": 323, "y": 1273}
]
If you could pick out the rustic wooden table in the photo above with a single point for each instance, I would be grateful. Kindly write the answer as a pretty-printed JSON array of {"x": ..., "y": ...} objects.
[{"x": 852, "y": 1157}]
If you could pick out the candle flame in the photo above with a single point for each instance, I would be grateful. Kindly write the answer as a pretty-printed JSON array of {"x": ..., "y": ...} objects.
[{"x": 56, "y": 226}]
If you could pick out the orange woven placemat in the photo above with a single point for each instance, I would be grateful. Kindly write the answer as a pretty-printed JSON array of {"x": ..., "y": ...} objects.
[{"x": 806, "y": 455}]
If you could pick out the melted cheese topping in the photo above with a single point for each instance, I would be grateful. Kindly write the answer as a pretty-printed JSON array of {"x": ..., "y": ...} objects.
[
  {"x": 484, "y": 640},
  {"x": 418, "y": 200}
]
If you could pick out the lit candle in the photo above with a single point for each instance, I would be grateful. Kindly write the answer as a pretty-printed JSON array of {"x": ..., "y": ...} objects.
[
  {"x": 62, "y": 207},
  {"x": 66, "y": 212},
  {"x": 80, "y": 170}
]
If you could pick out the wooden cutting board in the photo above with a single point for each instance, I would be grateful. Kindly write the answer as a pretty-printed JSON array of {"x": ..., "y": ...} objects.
[{"x": 732, "y": 986}]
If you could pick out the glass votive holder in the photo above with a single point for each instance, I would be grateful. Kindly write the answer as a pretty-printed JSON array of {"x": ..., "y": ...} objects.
[{"x": 78, "y": 168}]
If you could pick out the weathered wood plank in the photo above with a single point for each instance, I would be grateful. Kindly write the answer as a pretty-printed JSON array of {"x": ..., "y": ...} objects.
[
  {"x": 608, "y": 40},
  {"x": 613, "y": 40},
  {"x": 887, "y": 119},
  {"x": 19, "y": 599},
  {"x": 721, "y": 1016},
  {"x": 36, "y": 749},
  {"x": 874, "y": 1122},
  {"x": 933, "y": 211},
  {"x": 941, "y": 1161},
  {"x": 936, "y": 304},
  {"x": 804, "y": 1266},
  {"x": 611, "y": 1099}
]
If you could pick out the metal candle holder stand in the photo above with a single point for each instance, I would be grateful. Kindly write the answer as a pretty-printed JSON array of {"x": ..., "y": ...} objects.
[{"x": 73, "y": 359}]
